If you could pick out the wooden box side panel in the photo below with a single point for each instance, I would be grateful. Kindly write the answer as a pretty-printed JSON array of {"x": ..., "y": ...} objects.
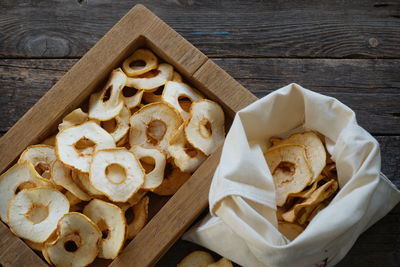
[{"x": 221, "y": 87}]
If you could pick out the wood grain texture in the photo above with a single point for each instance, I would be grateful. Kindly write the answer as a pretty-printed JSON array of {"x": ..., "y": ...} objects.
[
  {"x": 335, "y": 29},
  {"x": 370, "y": 87},
  {"x": 76, "y": 85},
  {"x": 172, "y": 220},
  {"x": 14, "y": 252}
]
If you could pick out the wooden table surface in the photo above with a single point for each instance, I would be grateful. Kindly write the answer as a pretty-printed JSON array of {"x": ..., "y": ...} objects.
[{"x": 346, "y": 49}]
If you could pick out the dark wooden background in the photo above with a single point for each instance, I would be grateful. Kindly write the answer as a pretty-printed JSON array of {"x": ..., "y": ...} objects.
[{"x": 346, "y": 49}]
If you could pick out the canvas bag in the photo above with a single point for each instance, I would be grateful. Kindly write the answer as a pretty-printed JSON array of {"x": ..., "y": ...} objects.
[{"x": 243, "y": 225}]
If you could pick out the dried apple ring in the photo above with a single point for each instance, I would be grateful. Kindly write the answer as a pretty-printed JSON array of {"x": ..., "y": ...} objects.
[
  {"x": 118, "y": 126},
  {"x": 111, "y": 221},
  {"x": 75, "y": 117},
  {"x": 290, "y": 230},
  {"x": 75, "y": 145},
  {"x": 50, "y": 141},
  {"x": 173, "y": 180},
  {"x": 154, "y": 167},
  {"x": 315, "y": 150},
  {"x": 34, "y": 213},
  {"x": 136, "y": 216},
  {"x": 153, "y": 126},
  {"x": 176, "y": 77},
  {"x": 141, "y": 61},
  {"x": 20, "y": 176},
  {"x": 150, "y": 81},
  {"x": 116, "y": 173},
  {"x": 108, "y": 103},
  {"x": 151, "y": 97},
  {"x": 181, "y": 96},
  {"x": 196, "y": 259},
  {"x": 41, "y": 157},
  {"x": 205, "y": 126},
  {"x": 290, "y": 170},
  {"x": 303, "y": 210},
  {"x": 82, "y": 180},
  {"x": 62, "y": 176},
  {"x": 77, "y": 243},
  {"x": 186, "y": 157},
  {"x": 132, "y": 97}
]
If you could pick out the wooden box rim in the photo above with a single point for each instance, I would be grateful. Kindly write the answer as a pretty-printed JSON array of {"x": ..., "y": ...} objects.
[{"x": 192, "y": 198}]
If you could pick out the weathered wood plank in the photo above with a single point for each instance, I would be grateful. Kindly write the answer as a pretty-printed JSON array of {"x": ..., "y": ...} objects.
[
  {"x": 370, "y": 87},
  {"x": 378, "y": 246},
  {"x": 225, "y": 28}
]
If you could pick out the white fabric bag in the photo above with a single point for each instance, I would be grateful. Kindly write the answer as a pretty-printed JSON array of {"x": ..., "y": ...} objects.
[{"x": 243, "y": 225}]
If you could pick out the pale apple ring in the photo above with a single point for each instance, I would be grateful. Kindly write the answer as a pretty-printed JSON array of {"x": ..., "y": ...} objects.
[
  {"x": 75, "y": 117},
  {"x": 175, "y": 91},
  {"x": 205, "y": 126},
  {"x": 155, "y": 176},
  {"x": 118, "y": 126},
  {"x": 34, "y": 213},
  {"x": 62, "y": 176},
  {"x": 111, "y": 221},
  {"x": 176, "y": 77},
  {"x": 20, "y": 176},
  {"x": 152, "y": 80},
  {"x": 77, "y": 243},
  {"x": 144, "y": 55},
  {"x": 290, "y": 170},
  {"x": 186, "y": 157},
  {"x": 136, "y": 216},
  {"x": 41, "y": 157},
  {"x": 153, "y": 126},
  {"x": 116, "y": 173},
  {"x": 108, "y": 103},
  {"x": 173, "y": 180},
  {"x": 91, "y": 135},
  {"x": 131, "y": 101}
]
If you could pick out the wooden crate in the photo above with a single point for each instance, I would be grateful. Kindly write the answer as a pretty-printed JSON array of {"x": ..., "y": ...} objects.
[{"x": 138, "y": 28}]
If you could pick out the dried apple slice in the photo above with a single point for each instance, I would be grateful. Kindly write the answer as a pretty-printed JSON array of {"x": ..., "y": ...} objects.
[
  {"x": 151, "y": 97},
  {"x": 111, "y": 221},
  {"x": 41, "y": 157},
  {"x": 302, "y": 211},
  {"x": 75, "y": 117},
  {"x": 83, "y": 181},
  {"x": 173, "y": 180},
  {"x": 116, "y": 173},
  {"x": 118, "y": 127},
  {"x": 133, "y": 200},
  {"x": 204, "y": 128},
  {"x": 153, "y": 126},
  {"x": 34, "y": 213},
  {"x": 186, "y": 157},
  {"x": 290, "y": 170},
  {"x": 20, "y": 176},
  {"x": 290, "y": 230},
  {"x": 72, "y": 199},
  {"x": 131, "y": 97},
  {"x": 177, "y": 93},
  {"x": 315, "y": 150},
  {"x": 196, "y": 259},
  {"x": 77, "y": 243},
  {"x": 176, "y": 77},
  {"x": 223, "y": 262},
  {"x": 75, "y": 145},
  {"x": 141, "y": 61},
  {"x": 108, "y": 103},
  {"x": 34, "y": 245},
  {"x": 154, "y": 167},
  {"x": 50, "y": 141},
  {"x": 136, "y": 216},
  {"x": 151, "y": 80},
  {"x": 62, "y": 176}
]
